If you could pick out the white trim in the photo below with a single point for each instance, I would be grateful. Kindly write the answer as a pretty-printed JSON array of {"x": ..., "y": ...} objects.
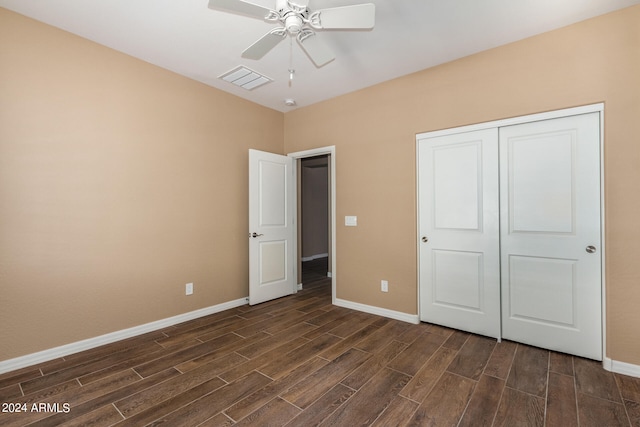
[
  {"x": 299, "y": 286},
  {"x": 417, "y": 207},
  {"x": 602, "y": 241},
  {"x": 392, "y": 314},
  {"x": 64, "y": 350},
  {"x": 621, "y": 367},
  {"x": 515, "y": 120},
  {"x": 312, "y": 257},
  {"x": 331, "y": 151}
]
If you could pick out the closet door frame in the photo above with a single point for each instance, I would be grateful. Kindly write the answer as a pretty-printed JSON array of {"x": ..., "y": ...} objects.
[{"x": 599, "y": 108}]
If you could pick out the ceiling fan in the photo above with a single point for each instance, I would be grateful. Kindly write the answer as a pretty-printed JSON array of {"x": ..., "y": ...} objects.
[{"x": 296, "y": 20}]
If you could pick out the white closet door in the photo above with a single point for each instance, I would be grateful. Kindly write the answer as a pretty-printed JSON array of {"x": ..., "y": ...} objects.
[
  {"x": 550, "y": 234},
  {"x": 459, "y": 231}
]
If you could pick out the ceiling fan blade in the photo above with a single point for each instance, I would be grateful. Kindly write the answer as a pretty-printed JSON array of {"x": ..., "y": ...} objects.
[
  {"x": 354, "y": 17},
  {"x": 315, "y": 49},
  {"x": 300, "y": 3},
  {"x": 241, "y": 7},
  {"x": 265, "y": 44}
]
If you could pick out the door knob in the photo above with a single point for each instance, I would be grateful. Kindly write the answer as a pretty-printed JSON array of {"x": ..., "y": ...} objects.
[
  {"x": 425, "y": 239},
  {"x": 591, "y": 249},
  {"x": 254, "y": 235}
]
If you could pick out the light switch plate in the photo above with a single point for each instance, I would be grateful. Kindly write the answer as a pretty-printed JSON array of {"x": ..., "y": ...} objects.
[{"x": 351, "y": 221}]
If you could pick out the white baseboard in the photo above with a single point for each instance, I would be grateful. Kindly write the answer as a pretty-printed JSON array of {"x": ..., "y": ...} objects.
[
  {"x": 397, "y": 315},
  {"x": 621, "y": 367},
  {"x": 65, "y": 350},
  {"x": 299, "y": 286},
  {"x": 312, "y": 257}
]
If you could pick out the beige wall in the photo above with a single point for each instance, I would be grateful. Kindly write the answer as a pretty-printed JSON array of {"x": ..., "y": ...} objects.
[
  {"x": 119, "y": 183},
  {"x": 374, "y": 134}
]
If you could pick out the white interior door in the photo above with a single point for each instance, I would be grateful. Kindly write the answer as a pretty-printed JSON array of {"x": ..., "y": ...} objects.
[
  {"x": 550, "y": 234},
  {"x": 271, "y": 226},
  {"x": 459, "y": 231}
]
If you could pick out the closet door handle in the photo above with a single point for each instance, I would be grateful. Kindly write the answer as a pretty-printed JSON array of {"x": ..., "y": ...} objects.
[
  {"x": 425, "y": 239},
  {"x": 591, "y": 249}
]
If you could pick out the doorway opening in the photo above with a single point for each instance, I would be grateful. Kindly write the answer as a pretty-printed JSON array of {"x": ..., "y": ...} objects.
[
  {"x": 313, "y": 214},
  {"x": 316, "y": 218}
]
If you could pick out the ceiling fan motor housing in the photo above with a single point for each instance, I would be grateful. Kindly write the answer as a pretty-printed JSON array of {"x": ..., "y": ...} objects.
[
  {"x": 293, "y": 16},
  {"x": 293, "y": 23}
]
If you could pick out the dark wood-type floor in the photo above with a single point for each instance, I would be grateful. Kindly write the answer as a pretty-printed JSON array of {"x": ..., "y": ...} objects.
[{"x": 299, "y": 361}]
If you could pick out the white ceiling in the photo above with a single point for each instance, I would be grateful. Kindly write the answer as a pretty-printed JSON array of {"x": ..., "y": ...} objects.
[{"x": 187, "y": 37}]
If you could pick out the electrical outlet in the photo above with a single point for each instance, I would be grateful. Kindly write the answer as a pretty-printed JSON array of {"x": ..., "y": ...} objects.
[
  {"x": 188, "y": 289},
  {"x": 384, "y": 286}
]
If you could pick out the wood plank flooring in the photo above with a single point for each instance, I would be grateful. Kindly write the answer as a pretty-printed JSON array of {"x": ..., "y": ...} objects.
[{"x": 299, "y": 361}]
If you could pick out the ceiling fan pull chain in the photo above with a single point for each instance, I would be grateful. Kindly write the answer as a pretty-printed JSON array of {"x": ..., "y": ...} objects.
[{"x": 291, "y": 70}]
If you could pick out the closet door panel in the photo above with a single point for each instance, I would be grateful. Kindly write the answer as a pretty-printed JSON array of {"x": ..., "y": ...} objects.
[
  {"x": 550, "y": 218},
  {"x": 457, "y": 186},
  {"x": 458, "y": 225},
  {"x": 457, "y": 279},
  {"x": 541, "y": 177},
  {"x": 543, "y": 290}
]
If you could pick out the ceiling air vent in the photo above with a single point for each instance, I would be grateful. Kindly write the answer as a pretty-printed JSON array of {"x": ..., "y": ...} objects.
[{"x": 245, "y": 78}]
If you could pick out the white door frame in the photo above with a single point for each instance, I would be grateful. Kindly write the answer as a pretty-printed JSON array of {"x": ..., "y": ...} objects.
[
  {"x": 331, "y": 151},
  {"x": 606, "y": 362}
]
